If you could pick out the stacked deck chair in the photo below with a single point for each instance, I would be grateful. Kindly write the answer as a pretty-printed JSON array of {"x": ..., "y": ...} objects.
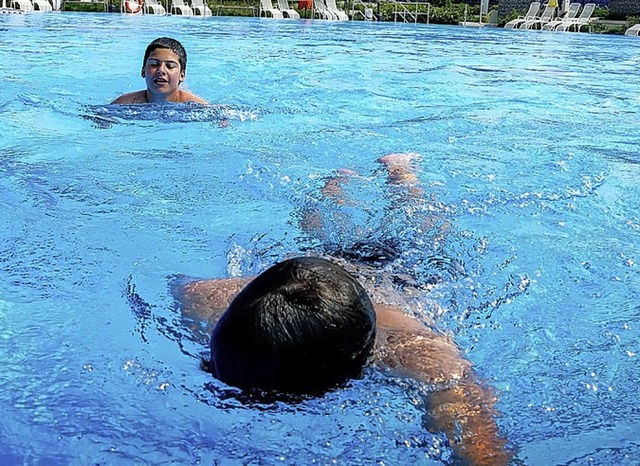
[
  {"x": 321, "y": 11},
  {"x": 200, "y": 8},
  {"x": 42, "y": 5},
  {"x": 22, "y": 5},
  {"x": 337, "y": 13},
  {"x": 287, "y": 11},
  {"x": 178, "y": 7},
  {"x": 153, "y": 7},
  {"x": 266, "y": 8}
]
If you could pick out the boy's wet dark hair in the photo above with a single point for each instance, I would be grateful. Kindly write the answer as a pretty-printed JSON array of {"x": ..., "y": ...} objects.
[
  {"x": 302, "y": 326},
  {"x": 167, "y": 43}
]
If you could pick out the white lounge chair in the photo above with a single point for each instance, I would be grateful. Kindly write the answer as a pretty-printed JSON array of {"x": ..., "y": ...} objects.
[
  {"x": 320, "y": 10},
  {"x": 571, "y": 13},
  {"x": 532, "y": 13},
  {"x": 337, "y": 13},
  {"x": 42, "y": 5},
  {"x": 266, "y": 8},
  {"x": 179, "y": 7},
  {"x": 538, "y": 23},
  {"x": 153, "y": 7},
  {"x": 633, "y": 30},
  {"x": 22, "y": 5},
  {"x": 200, "y": 8},
  {"x": 576, "y": 23},
  {"x": 287, "y": 11}
]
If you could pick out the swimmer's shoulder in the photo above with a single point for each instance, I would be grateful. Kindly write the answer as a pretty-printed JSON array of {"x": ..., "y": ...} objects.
[
  {"x": 186, "y": 96},
  {"x": 137, "y": 97}
]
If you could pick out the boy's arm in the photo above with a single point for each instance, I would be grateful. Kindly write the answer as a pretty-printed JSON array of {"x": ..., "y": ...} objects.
[
  {"x": 461, "y": 406},
  {"x": 204, "y": 301}
]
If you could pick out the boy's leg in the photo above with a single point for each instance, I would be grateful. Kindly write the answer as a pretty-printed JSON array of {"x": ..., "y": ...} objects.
[
  {"x": 313, "y": 219},
  {"x": 401, "y": 171}
]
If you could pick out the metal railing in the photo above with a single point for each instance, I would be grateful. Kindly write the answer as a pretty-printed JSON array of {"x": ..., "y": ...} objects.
[
  {"x": 366, "y": 12},
  {"x": 409, "y": 12}
]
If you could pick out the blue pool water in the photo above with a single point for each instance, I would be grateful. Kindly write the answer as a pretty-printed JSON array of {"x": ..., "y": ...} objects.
[{"x": 530, "y": 156}]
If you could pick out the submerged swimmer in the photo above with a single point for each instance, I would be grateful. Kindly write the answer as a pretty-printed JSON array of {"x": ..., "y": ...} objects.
[
  {"x": 164, "y": 68},
  {"x": 306, "y": 325}
]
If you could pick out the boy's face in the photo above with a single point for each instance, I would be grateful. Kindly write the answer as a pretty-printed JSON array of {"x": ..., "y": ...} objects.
[{"x": 162, "y": 72}]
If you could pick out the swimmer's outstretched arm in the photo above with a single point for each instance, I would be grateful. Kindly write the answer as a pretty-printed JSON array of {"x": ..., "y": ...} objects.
[{"x": 462, "y": 406}]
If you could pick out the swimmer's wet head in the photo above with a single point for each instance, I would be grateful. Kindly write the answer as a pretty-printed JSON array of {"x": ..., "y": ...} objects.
[{"x": 302, "y": 326}]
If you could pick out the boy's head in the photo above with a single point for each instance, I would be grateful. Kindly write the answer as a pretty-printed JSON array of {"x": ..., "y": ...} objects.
[
  {"x": 166, "y": 43},
  {"x": 302, "y": 326}
]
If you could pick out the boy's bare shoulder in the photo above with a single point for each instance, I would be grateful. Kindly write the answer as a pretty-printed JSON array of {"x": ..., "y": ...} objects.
[
  {"x": 186, "y": 96},
  {"x": 137, "y": 97}
]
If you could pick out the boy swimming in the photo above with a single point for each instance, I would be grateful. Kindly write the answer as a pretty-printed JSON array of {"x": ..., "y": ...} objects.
[
  {"x": 164, "y": 68},
  {"x": 307, "y": 325}
]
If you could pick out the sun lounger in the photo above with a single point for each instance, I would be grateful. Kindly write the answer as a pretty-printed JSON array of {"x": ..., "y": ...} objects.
[
  {"x": 532, "y": 13},
  {"x": 571, "y": 13},
  {"x": 288, "y": 12},
  {"x": 22, "y": 5},
  {"x": 266, "y": 8},
  {"x": 200, "y": 8},
  {"x": 633, "y": 30},
  {"x": 337, "y": 13},
  {"x": 576, "y": 23},
  {"x": 178, "y": 7},
  {"x": 42, "y": 5},
  {"x": 321, "y": 11},
  {"x": 538, "y": 23},
  {"x": 153, "y": 7}
]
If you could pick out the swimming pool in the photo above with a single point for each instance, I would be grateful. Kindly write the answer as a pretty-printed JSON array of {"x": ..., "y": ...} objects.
[{"x": 529, "y": 146}]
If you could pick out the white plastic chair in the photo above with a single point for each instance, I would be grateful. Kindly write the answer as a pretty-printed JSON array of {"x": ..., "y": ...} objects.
[
  {"x": 338, "y": 14},
  {"x": 153, "y": 7},
  {"x": 42, "y": 5},
  {"x": 267, "y": 8},
  {"x": 545, "y": 17},
  {"x": 583, "y": 20},
  {"x": 532, "y": 13},
  {"x": 200, "y": 8},
  {"x": 22, "y": 5},
  {"x": 181, "y": 7},
  {"x": 321, "y": 11},
  {"x": 633, "y": 30},
  {"x": 572, "y": 12},
  {"x": 287, "y": 11}
]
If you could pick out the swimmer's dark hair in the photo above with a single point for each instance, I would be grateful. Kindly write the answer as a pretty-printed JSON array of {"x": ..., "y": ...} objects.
[
  {"x": 302, "y": 326},
  {"x": 167, "y": 43}
]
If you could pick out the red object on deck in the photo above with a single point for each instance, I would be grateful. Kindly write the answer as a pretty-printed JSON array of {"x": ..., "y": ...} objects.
[{"x": 306, "y": 4}]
